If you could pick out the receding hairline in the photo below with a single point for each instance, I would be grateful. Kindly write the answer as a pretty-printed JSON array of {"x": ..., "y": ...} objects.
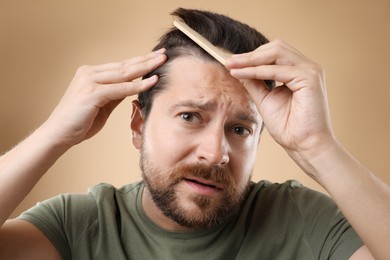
[{"x": 190, "y": 52}]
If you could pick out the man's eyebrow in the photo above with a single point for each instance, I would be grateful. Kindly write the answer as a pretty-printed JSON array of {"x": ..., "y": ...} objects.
[
  {"x": 198, "y": 105},
  {"x": 248, "y": 117},
  {"x": 207, "y": 106}
]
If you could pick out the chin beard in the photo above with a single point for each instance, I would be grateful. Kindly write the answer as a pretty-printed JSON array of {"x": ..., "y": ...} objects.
[
  {"x": 194, "y": 211},
  {"x": 204, "y": 215}
]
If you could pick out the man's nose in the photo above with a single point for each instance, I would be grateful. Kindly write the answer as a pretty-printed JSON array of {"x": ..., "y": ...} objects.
[{"x": 213, "y": 148}]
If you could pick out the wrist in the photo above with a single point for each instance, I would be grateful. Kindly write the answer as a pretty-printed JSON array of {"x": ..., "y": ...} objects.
[
  {"x": 320, "y": 160},
  {"x": 51, "y": 140}
]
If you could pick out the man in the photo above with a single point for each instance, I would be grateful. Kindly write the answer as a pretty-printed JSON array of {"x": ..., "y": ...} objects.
[{"x": 198, "y": 131}]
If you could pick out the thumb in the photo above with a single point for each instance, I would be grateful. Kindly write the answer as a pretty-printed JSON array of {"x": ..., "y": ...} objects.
[{"x": 257, "y": 89}]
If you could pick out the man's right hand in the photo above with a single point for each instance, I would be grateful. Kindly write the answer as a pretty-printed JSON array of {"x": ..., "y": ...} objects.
[{"x": 94, "y": 93}]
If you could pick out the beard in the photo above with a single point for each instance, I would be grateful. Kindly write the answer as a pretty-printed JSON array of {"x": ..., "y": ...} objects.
[{"x": 194, "y": 211}]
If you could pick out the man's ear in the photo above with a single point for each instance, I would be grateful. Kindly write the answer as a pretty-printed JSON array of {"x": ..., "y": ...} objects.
[{"x": 137, "y": 122}]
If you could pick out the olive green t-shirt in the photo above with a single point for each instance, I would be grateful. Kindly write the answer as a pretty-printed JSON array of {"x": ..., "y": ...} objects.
[{"x": 277, "y": 221}]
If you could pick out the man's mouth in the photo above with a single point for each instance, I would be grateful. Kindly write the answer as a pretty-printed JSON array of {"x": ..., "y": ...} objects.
[{"x": 205, "y": 187}]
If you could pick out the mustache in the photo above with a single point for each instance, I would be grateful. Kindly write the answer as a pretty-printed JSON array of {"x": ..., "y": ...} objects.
[{"x": 216, "y": 174}]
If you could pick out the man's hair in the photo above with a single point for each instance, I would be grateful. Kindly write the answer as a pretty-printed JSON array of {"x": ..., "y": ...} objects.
[{"x": 220, "y": 30}]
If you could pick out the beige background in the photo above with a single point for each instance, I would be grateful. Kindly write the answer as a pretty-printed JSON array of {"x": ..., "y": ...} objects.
[{"x": 43, "y": 42}]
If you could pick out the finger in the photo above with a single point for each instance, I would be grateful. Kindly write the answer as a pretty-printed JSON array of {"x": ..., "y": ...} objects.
[
  {"x": 270, "y": 56},
  {"x": 101, "y": 118},
  {"x": 257, "y": 89},
  {"x": 293, "y": 77},
  {"x": 124, "y": 72},
  {"x": 276, "y": 52},
  {"x": 281, "y": 43},
  {"x": 134, "y": 60},
  {"x": 112, "y": 105},
  {"x": 125, "y": 89}
]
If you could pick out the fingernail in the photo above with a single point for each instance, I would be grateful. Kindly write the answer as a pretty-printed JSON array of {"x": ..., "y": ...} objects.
[
  {"x": 234, "y": 72},
  {"x": 152, "y": 79},
  {"x": 162, "y": 50}
]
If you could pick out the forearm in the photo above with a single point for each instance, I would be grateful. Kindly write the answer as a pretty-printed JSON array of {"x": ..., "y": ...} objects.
[
  {"x": 362, "y": 197},
  {"x": 22, "y": 167}
]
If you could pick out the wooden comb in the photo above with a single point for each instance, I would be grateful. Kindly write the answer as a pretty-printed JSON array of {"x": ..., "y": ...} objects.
[{"x": 218, "y": 53}]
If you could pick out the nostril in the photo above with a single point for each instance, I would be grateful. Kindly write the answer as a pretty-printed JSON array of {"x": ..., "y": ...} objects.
[
  {"x": 224, "y": 162},
  {"x": 214, "y": 159}
]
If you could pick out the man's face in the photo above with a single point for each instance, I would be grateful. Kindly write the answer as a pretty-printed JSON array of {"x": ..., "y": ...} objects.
[{"x": 199, "y": 145}]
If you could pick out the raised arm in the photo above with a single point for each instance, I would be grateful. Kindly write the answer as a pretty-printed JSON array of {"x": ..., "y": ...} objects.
[
  {"x": 92, "y": 95},
  {"x": 296, "y": 115}
]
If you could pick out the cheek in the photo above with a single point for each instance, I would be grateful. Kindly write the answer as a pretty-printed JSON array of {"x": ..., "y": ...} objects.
[
  {"x": 242, "y": 162},
  {"x": 165, "y": 145},
  {"x": 242, "y": 171}
]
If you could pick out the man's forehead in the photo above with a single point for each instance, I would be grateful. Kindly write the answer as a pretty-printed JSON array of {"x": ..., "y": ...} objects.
[
  {"x": 203, "y": 78},
  {"x": 194, "y": 82}
]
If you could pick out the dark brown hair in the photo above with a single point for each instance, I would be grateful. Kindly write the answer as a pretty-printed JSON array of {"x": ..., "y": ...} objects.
[{"x": 220, "y": 30}]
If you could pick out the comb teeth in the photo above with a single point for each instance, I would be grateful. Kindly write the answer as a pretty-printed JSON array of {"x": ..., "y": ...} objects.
[{"x": 219, "y": 54}]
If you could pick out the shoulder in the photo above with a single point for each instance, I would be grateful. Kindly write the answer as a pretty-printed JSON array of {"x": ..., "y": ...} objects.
[
  {"x": 290, "y": 199},
  {"x": 107, "y": 192},
  {"x": 290, "y": 190},
  {"x": 309, "y": 220},
  {"x": 71, "y": 219},
  {"x": 78, "y": 208}
]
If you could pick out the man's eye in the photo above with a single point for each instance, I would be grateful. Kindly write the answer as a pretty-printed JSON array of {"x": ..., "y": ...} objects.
[
  {"x": 189, "y": 117},
  {"x": 242, "y": 131}
]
